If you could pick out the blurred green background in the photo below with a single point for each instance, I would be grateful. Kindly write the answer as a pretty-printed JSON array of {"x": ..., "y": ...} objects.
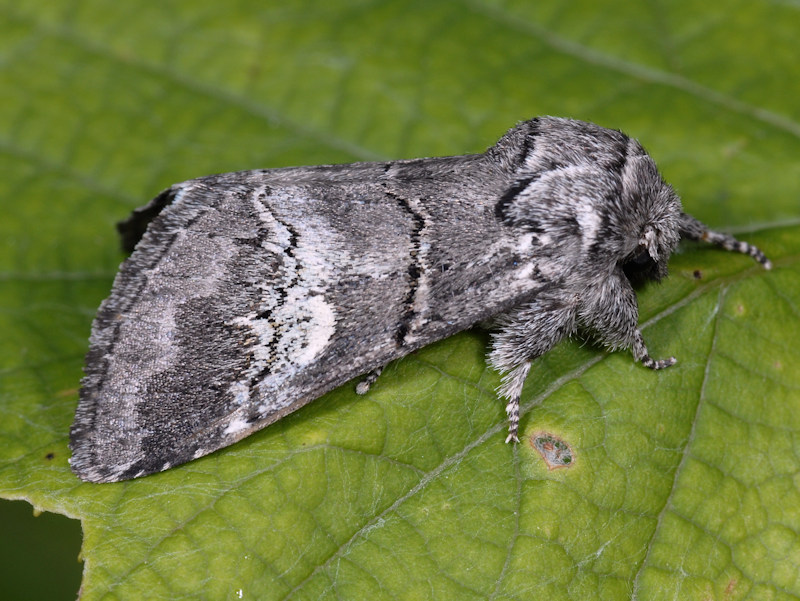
[{"x": 106, "y": 103}]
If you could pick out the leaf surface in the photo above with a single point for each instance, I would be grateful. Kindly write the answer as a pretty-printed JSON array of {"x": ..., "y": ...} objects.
[{"x": 682, "y": 484}]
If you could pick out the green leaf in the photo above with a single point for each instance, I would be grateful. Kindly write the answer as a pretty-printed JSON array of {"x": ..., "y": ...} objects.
[{"x": 682, "y": 484}]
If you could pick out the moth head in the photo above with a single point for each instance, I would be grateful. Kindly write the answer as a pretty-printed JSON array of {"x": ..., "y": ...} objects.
[{"x": 651, "y": 212}]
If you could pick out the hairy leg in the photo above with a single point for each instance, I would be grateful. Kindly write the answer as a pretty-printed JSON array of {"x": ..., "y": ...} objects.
[
  {"x": 523, "y": 334},
  {"x": 609, "y": 311}
]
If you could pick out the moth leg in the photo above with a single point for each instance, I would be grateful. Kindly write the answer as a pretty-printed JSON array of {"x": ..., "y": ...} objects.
[
  {"x": 608, "y": 310},
  {"x": 693, "y": 229},
  {"x": 639, "y": 349},
  {"x": 364, "y": 385},
  {"x": 524, "y": 334},
  {"x": 511, "y": 388}
]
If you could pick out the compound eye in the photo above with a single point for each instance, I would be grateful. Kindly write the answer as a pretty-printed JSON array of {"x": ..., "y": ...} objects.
[
  {"x": 641, "y": 260},
  {"x": 640, "y": 267}
]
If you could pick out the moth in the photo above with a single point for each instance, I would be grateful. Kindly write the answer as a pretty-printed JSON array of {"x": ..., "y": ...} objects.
[{"x": 248, "y": 295}]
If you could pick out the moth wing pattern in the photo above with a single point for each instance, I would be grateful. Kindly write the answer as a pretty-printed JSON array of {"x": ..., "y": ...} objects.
[{"x": 250, "y": 294}]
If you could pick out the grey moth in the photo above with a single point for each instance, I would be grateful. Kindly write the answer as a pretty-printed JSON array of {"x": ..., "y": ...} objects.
[{"x": 248, "y": 295}]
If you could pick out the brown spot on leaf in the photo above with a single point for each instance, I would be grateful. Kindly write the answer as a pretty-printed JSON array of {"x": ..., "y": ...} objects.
[{"x": 555, "y": 451}]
